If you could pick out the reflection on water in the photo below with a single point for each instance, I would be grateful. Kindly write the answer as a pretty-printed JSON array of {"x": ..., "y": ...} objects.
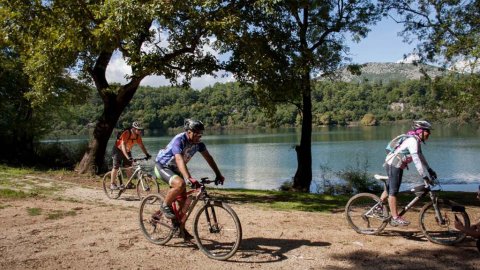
[{"x": 259, "y": 159}]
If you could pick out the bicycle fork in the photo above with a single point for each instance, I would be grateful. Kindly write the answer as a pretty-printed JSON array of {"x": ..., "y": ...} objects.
[
  {"x": 438, "y": 214},
  {"x": 213, "y": 228}
]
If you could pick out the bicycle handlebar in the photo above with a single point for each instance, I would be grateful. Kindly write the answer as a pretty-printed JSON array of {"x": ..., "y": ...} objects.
[
  {"x": 205, "y": 180},
  {"x": 140, "y": 159}
]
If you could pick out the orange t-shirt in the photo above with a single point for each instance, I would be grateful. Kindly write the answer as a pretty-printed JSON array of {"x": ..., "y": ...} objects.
[{"x": 129, "y": 138}]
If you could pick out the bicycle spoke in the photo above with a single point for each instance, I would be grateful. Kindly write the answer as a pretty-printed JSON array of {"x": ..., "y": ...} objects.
[
  {"x": 111, "y": 193},
  {"x": 442, "y": 231},
  {"x": 217, "y": 231},
  {"x": 146, "y": 185},
  {"x": 365, "y": 214},
  {"x": 156, "y": 228}
]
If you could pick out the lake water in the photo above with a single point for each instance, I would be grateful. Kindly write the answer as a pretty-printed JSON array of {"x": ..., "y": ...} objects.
[{"x": 264, "y": 159}]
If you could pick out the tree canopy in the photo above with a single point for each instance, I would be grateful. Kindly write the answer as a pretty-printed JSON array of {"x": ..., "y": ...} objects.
[
  {"x": 63, "y": 39},
  {"x": 280, "y": 45}
]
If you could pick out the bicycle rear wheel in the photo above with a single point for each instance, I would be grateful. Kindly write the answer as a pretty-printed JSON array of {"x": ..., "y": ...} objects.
[
  {"x": 146, "y": 185},
  {"x": 155, "y": 226},
  {"x": 435, "y": 231},
  {"x": 112, "y": 193},
  {"x": 217, "y": 230},
  {"x": 365, "y": 215}
]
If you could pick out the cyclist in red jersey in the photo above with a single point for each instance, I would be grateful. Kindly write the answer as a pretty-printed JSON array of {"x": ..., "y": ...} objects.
[{"x": 121, "y": 152}]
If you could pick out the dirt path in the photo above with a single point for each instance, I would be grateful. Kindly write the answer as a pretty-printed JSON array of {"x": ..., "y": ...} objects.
[{"x": 79, "y": 228}]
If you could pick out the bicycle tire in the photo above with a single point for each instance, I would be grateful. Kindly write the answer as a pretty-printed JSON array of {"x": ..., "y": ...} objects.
[
  {"x": 111, "y": 193},
  {"x": 147, "y": 185},
  {"x": 358, "y": 216},
  {"x": 159, "y": 230},
  {"x": 443, "y": 234},
  {"x": 217, "y": 230}
]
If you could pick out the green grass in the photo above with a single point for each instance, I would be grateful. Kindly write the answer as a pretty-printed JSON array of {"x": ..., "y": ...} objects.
[
  {"x": 34, "y": 211},
  {"x": 58, "y": 214},
  {"x": 14, "y": 194},
  {"x": 279, "y": 200},
  {"x": 282, "y": 200}
]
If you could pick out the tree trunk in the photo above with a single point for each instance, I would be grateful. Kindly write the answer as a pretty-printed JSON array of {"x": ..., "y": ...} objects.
[
  {"x": 303, "y": 176},
  {"x": 93, "y": 161}
]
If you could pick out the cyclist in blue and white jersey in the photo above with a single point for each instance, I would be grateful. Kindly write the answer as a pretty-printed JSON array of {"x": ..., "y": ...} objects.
[
  {"x": 171, "y": 162},
  {"x": 408, "y": 151}
]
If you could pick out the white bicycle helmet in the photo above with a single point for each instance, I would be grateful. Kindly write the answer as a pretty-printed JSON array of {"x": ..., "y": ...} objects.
[
  {"x": 137, "y": 125},
  {"x": 422, "y": 124}
]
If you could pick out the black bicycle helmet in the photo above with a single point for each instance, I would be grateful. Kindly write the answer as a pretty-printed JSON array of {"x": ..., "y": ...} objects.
[
  {"x": 422, "y": 124},
  {"x": 193, "y": 125}
]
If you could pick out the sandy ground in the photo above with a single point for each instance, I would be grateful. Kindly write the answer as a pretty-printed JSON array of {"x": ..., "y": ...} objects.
[{"x": 79, "y": 228}]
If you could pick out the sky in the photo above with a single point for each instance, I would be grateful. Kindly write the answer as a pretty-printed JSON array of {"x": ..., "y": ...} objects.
[{"x": 381, "y": 45}]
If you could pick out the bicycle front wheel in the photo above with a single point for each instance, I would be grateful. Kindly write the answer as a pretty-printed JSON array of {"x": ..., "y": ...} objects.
[
  {"x": 217, "y": 230},
  {"x": 365, "y": 214},
  {"x": 155, "y": 226},
  {"x": 112, "y": 193},
  {"x": 438, "y": 231},
  {"x": 146, "y": 185}
]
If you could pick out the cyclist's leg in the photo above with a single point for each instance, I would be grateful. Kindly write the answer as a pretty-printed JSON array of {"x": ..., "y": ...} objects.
[
  {"x": 395, "y": 180},
  {"x": 393, "y": 186},
  {"x": 128, "y": 165},
  {"x": 177, "y": 186},
  {"x": 117, "y": 160}
]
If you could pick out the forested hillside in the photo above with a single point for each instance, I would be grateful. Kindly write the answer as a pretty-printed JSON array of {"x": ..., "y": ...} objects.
[{"x": 231, "y": 105}]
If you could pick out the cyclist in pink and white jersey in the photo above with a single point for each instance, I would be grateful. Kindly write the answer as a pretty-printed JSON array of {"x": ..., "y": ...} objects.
[{"x": 408, "y": 151}]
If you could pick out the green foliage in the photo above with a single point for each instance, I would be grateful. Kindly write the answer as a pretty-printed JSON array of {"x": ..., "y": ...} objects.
[
  {"x": 448, "y": 31},
  {"x": 334, "y": 103}
]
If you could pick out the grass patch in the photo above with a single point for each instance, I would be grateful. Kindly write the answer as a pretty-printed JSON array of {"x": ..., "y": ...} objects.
[
  {"x": 279, "y": 200},
  {"x": 282, "y": 200},
  {"x": 3, "y": 206},
  {"x": 14, "y": 194},
  {"x": 34, "y": 211},
  {"x": 14, "y": 171},
  {"x": 58, "y": 214}
]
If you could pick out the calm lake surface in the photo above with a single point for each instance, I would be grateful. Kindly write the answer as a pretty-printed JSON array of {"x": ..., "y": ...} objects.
[{"x": 264, "y": 159}]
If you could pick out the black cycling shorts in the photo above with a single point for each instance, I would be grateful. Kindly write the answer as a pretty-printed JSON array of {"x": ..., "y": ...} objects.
[
  {"x": 119, "y": 158},
  {"x": 394, "y": 179},
  {"x": 166, "y": 173}
]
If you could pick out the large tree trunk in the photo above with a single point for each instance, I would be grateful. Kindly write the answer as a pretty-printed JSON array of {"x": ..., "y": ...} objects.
[
  {"x": 303, "y": 176},
  {"x": 114, "y": 102},
  {"x": 93, "y": 161}
]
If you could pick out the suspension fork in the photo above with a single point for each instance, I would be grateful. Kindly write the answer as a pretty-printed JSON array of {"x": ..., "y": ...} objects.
[
  {"x": 438, "y": 214},
  {"x": 213, "y": 227}
]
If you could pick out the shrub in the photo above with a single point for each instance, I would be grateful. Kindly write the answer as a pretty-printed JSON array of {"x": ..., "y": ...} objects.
[{"x": 369, "y": 120}]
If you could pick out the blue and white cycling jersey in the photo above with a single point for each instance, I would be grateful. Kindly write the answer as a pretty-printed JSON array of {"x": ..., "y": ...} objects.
[{"x": 179, "y": 145}]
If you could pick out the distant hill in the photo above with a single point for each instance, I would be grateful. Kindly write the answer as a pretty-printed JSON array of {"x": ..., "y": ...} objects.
[{"x": 376, "y": 72}]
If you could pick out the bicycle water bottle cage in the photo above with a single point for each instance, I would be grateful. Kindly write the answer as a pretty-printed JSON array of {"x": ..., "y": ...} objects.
[{"x": 419, "y": 190}]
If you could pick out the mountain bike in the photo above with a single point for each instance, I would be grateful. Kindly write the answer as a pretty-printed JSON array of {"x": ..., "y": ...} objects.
[
  {"x": 144, "y": 183},
  {"x": 216, "y": 227},
  {"x": 367, "y": 214}
]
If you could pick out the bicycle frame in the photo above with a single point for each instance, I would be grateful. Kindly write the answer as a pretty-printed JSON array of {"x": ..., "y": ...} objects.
[
  {"x": 421, "y": 192},
  {"x": 138, "y": 169},
  {"x": 182, "y": 213}
]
